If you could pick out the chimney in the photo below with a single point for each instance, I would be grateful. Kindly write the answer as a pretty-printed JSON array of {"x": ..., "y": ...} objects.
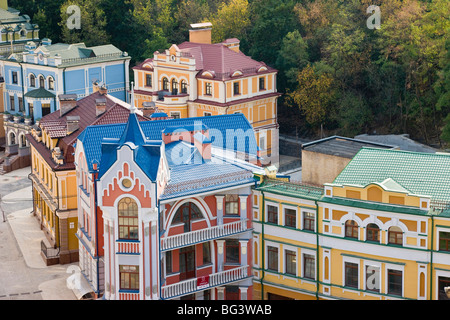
[
  {"x": 66, "y": 103},
  {"x": 232, "y": 44},
  {"x": 200, "y": 33},
  {"x": 103, "y": 90},
  {"x": 72, "y": 124},
  {"x": 100, "y": 106}
]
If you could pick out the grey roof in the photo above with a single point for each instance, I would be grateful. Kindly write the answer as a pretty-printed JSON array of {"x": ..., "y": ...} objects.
[
  {"x": 341, "y": 146},
  {"x": 401, "y": 140}
]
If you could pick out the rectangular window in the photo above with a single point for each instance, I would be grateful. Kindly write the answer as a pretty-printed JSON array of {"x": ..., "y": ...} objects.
[
  {"x": 272, "y": 258},
  {"x": 395, "y": 282},
  {"x": 443, "y": 282},
  {"x": 308, "y": 221},
  {"x": 148, "y": 80},
  {"x": 208, "y": 88},
  {"x": 231, "y": 204},
  {"x": 262, "y": 83},
  {"x": 129, "y": 277},
  {"x": 272, "y": 214},
  {"x": 236, "y": 88},
  {"x": 175, "y": 115},
  {"x": 168, "y": 262},
  {"x": 291, "y": 262},
  {"x": 21, "y": 106},
  {"x": 12, "y": 104},
  {"x": 45, "y": 109},
  {"x": 232, "y": 251},
  {"x": 14, "y": 77},
  {"x": 308, "y": 266},
  {"x": 206, "y": 253},
  {"x": 207, "y": 114},
  {"x": 290, "y": 217},
  {"x": 351, "y": 275},
  {"x": 444, "y": 241}
]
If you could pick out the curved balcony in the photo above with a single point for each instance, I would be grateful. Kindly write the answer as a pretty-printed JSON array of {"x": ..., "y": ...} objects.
[
  {"x": 204, "y": 283},
  {"x": 203, "y": 235}
]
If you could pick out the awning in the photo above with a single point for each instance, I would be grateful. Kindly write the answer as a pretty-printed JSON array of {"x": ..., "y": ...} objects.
[{"x": 79, "y": 285}]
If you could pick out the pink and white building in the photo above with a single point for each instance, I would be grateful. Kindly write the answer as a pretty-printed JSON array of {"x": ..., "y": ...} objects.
[{"x": 172, "y": 209}]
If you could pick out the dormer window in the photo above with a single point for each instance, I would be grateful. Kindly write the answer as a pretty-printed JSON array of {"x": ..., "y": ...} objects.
[{"x": 208, "y": 88}]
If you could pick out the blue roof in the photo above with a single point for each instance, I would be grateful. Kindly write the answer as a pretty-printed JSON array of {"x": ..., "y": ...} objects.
[
  {"x": 159, "y": 115},
  {"x": 232, "y": 132}
]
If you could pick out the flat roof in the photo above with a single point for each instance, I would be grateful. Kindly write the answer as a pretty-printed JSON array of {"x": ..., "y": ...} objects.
[{"x": 342, "y": 146}]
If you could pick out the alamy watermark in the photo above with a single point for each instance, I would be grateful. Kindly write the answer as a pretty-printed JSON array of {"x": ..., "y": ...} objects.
[
  {"x": 374, "y": 21},
  {"x": 74, "y": 20}
]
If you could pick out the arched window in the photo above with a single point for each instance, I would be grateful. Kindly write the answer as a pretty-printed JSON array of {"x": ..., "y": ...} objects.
[
  {"x": 351, "y": 229},
  {"x": 32, "y": 81},
  {"x": 165, "y": 83},
  {"x": 395, "y": 236},
  {"x": 41, "y": 82},
  {"x": 372, "y": 232},
  {"x": 183, "y": 86},
  {"x": 128, "y": 219},
  {"x": 187, "y": 213},
  {"x": 12, "y": 138},
  {"x": 51, "y": 83},
  {"x": 23, "y": 141},
  {"x": 174, "y": 86}
]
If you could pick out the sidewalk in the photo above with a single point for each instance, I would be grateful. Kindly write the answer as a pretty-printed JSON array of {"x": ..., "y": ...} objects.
[{"x": 28, "y": 235}]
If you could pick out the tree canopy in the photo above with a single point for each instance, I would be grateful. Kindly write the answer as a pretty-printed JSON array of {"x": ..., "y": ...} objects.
[{"x": 392, "y": 79}]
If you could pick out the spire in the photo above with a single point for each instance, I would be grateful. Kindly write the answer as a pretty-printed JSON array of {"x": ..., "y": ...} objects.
[{"x": 132, "y": 106}]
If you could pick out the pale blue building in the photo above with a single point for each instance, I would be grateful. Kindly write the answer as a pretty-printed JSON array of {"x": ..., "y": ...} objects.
[{"x": 36, "y": 77}]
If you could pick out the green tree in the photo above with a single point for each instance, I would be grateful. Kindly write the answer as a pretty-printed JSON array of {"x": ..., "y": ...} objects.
[
  {"x": 93, "y": 23},
  {"x": 313, "y": 96},
  {"x": 231, "y": 21}
]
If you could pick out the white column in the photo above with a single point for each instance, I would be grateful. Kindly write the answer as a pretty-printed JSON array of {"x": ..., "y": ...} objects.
[
  {"x": 220, "y": 259},
  {"x": 243, "y": 206},
  {"x": 219, "y": 202}
]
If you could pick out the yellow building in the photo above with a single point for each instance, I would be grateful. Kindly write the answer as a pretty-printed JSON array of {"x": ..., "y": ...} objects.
[
  {"x": 198, "y": 78},
  {"x": 382, "y": 231},
  {"x": 53, "y": 175}
]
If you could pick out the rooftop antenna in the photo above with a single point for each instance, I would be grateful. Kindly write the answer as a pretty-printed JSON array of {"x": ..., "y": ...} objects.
[{"x": 132, "y": 107}]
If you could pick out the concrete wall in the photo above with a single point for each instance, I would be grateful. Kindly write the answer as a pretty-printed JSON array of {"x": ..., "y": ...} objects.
[{"x": 319, "y": 168}]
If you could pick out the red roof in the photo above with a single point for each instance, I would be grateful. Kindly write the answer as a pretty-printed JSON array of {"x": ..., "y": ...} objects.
[
  {"x": 221, "y": 60},
  {"x": 56, "y": 125}
]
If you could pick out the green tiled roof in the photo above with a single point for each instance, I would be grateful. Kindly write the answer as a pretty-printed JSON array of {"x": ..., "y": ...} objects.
[
  {"x": 426, "y": 174},
  {"x": 39, "y": 93},
  {"x": 291, "y": 189}
]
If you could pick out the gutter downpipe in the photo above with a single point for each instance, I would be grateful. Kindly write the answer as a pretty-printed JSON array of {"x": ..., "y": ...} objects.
[
  {"x": 262, "y": 245},
  {"x": 95, "y": 176},
  {"x": 431, "y": 257},
  {"x": 157, "y": 202},
  {"x": 317, "y": 250}
]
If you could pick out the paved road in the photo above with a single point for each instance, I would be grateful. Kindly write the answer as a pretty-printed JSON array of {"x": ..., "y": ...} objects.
[{"x": 24, "y": 275}]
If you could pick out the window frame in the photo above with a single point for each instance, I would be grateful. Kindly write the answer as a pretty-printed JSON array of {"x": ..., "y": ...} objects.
[
  {"x": 236, "y": 88},
  {"x": 394, "y": 272},
  {"x": 148, "y": 76},
  {"x": 289, "y": 218},
  {"x": 350, "y": 279},
  {"x": 130, "y": 274},
  {"x": 397, "y": 234},
  {"x": 369, "y": 228},
  {"x": 14, "y": 77},
  {"x": 309, "y": 266},
  {"x": 290, "y": 267},
  {"x": 354, "y": 228},
  {"x": 444, "y": 240},
  {"x": 311, "y": 225},
  {"x": 232, "y": 245},
  {"x": 270, "y": 215},
  {"x": 208, "y": 89},
  {"x": 262, "y": 80},
  {"x": 272, "y": 258},
  {"x": 122, "y": 227},
  {"x": 231, "y": 199}
]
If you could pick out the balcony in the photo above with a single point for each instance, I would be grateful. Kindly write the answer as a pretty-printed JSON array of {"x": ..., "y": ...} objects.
[
  {"x": 203, "y": 235},
  {"x": 172, "y": 97},
  {"x": 204, "y": 283}
]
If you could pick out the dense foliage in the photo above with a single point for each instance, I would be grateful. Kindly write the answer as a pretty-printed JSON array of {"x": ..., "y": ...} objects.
[{"x": 338, "y": 74}]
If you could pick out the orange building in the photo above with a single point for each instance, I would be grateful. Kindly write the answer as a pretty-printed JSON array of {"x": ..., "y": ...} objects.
[{"x": 198, "y": 78}]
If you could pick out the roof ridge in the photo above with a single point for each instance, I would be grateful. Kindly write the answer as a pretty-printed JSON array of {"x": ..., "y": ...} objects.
[{"x": 409, "y": 151}]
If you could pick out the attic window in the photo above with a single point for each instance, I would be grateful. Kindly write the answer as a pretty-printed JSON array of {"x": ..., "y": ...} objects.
[
  {"x": 261, "y": 69},
  {"x": 237, "y": 73}
]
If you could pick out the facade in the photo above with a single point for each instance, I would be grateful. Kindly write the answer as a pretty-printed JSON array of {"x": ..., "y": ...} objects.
[
  {"x": 172, "y": 218},
  {"x": 16, "y": 30},
  {"x": 53, "y": 176},
  {"x": 37, "y": 76},
  {"x": 380, "y": 231},
  {"x": 198, "y": 78}
]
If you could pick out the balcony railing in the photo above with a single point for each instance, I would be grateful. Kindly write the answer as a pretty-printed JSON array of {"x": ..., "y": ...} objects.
[
  {"x": 216, "y": 279},
  {"x": 203, "y": 235}
]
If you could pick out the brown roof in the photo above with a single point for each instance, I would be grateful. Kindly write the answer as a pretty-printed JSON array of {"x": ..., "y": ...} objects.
[{"x": 55, "y": 125}]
